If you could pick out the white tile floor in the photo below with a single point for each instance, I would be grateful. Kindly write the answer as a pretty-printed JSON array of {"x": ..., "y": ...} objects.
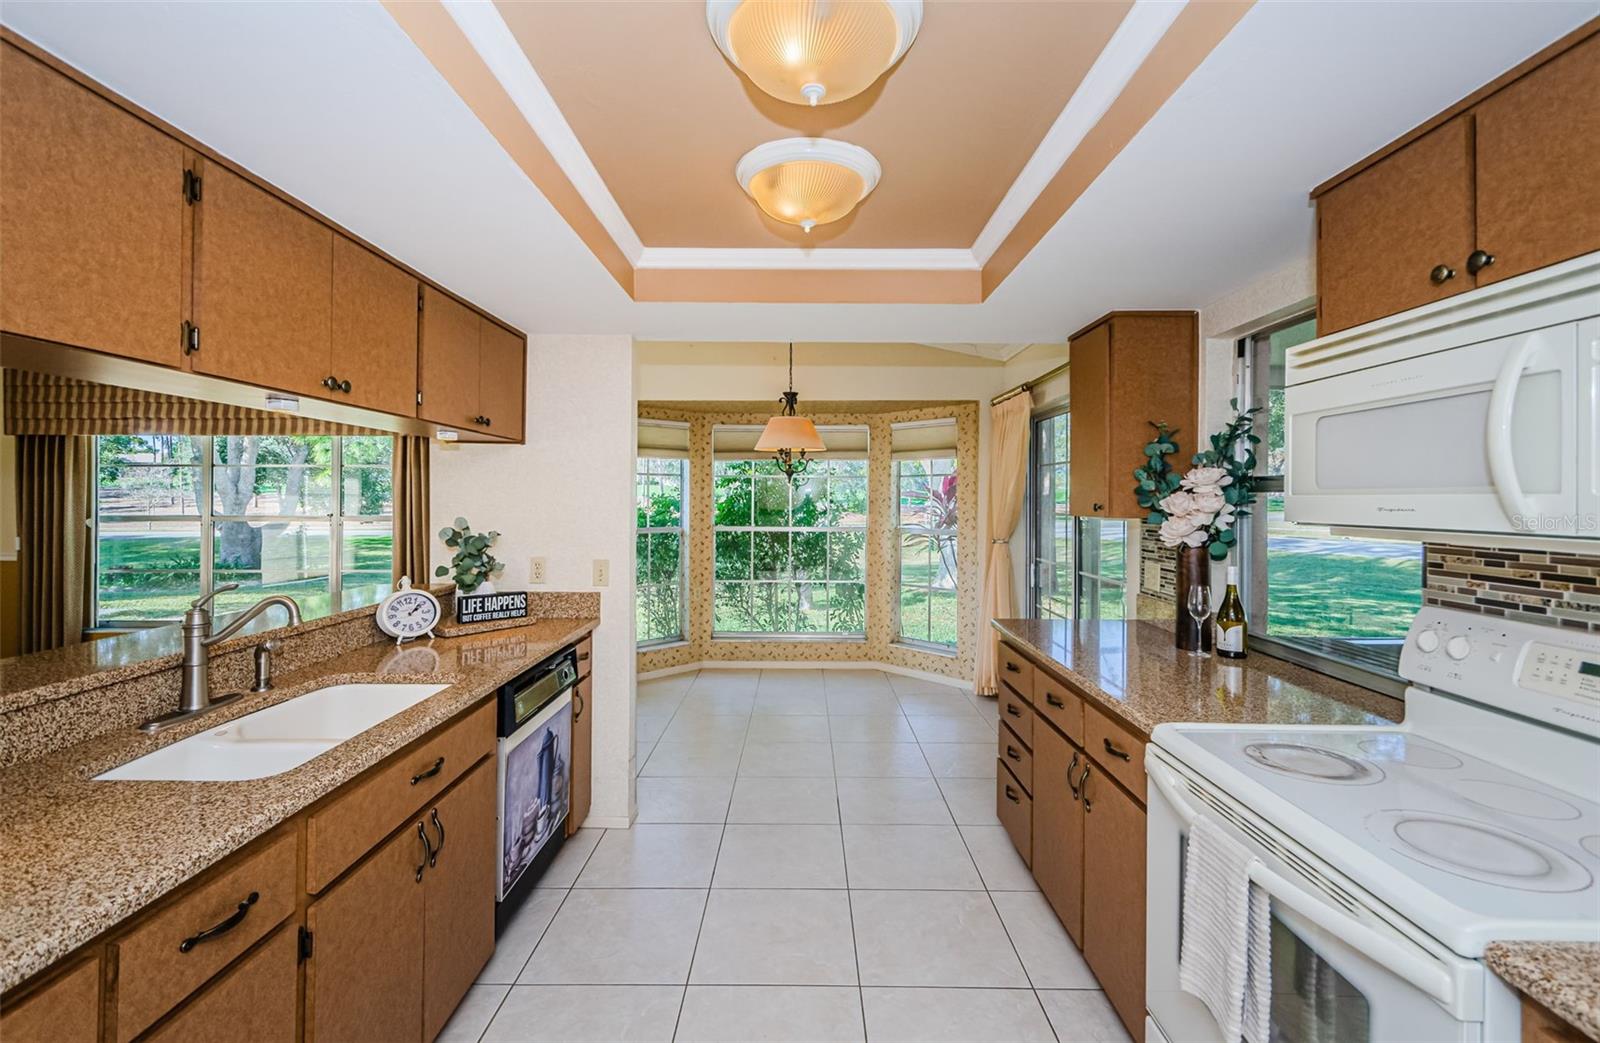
[{"x": 816, "y": 858}]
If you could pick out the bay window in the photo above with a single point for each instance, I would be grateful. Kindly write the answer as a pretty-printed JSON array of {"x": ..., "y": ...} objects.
[
  {"x": 924, "y": 457},
  {"x": 661, "y": 484}
]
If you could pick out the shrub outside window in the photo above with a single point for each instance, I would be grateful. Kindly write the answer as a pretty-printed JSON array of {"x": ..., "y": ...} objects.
[
  {"x": 925, "y": 492},
  {"x": 661, "y": 486}
]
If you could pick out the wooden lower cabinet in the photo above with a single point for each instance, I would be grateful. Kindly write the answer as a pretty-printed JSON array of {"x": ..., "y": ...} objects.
[
  {"x": 64, "y": 1010},
  {"x": 458, "y": 895},
  {"x": 364, "y": 978},
  {"x": 582, "y": 755},
  {"x": 254, "y": 1001},
  {"x": 1541, "y": 1026},
  {"x": 1114, "y": 895},
  {"x": 1058, "y": 827}
]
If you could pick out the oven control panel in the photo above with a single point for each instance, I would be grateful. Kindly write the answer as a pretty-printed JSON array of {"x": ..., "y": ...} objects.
[{"x": 1535, "y": 671}]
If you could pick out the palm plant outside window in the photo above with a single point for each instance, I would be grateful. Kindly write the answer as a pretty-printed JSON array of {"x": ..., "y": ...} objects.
[
  {"x": 179, "y": 515},
  {"x": 926, "y": 497},
  {"x": 660, "y": 486}
]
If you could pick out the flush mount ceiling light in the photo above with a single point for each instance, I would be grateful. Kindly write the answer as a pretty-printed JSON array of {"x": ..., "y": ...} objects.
[
  {"x": 790, "y": 437},
  {"x": 812, "y": 52},
  {"x": 807, "y": 181}
]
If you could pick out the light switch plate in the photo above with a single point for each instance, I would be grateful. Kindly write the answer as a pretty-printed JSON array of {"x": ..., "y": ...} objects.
[
  {"x": 602, "y": 572},
  {"x": 536, "y": 570}
]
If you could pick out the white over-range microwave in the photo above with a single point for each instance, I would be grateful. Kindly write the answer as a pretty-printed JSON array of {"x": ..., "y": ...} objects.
[{"x": 1475, "y": 414}]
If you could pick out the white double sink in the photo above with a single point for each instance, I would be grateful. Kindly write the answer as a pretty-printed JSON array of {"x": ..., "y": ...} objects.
[{"x": 278, "y": 738}]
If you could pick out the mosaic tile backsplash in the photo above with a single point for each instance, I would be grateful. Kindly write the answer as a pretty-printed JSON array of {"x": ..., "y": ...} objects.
[{"x": 1552, "y": 587}]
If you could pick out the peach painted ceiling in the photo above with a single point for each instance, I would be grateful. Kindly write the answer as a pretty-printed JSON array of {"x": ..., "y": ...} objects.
[{"x": 664, "y": 116}]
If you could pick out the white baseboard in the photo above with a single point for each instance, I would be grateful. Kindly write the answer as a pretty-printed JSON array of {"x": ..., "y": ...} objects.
[{"x": 766, "y": 664}]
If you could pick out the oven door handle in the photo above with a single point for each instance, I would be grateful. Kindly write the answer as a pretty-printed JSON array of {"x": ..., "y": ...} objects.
[
  {"x": 1422, "y": 973},
  {"x": 1502, "y": 461}
]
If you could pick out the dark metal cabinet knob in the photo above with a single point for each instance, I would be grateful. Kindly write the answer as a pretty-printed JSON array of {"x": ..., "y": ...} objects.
[
  {"x": 1478, "y": 260},
  {"x": 1441, "y": 274}
]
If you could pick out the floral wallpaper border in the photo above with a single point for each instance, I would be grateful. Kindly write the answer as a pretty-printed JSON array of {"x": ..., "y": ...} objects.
[{"x": 879, "y": 644}]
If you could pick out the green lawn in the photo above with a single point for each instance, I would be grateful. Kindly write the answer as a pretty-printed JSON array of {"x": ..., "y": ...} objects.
[{"x": 1342, "y": 595}]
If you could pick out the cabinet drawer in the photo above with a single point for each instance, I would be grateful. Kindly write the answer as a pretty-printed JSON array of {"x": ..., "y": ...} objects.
[
  {"x": 1016, "y": 712},
  {"x": 1056, "y": 702},
  {"x": 67, "y": 1010},
  {"x": 174, "y": 950},
  {"x": 1015, "y": 755},
  {"x": 356, "y": 820},
  {"x": 1116, "y": 750},
  {"x": 255, "y": 1001},
  {"x": 1015, "y": 809},
  {"x": 1015, "y": 671},
  {"x": 585, "y": 656}
]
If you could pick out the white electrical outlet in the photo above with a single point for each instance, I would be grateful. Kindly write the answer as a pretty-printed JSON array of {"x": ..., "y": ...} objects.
[
  {"x": 536, "y": 570},
  {"x": 602, "y": 572}
]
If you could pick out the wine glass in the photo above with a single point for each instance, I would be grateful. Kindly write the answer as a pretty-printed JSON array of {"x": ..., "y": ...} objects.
[{"x": 1199, "y": 606}]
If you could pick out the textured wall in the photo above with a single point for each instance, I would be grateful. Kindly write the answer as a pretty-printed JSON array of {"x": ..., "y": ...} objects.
[{"x": 879, "y": 645}]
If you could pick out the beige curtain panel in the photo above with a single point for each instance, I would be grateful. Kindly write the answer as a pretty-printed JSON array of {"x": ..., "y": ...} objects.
[
  {"x": 54, "y": 496},
  {"x": 412, "y": 539},
  {"x": 1008, "y": 481},
  {"x": 41, "y": 404}
]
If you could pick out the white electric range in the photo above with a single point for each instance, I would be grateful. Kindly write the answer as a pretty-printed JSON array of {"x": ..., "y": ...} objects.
[{"x": 1393, "y": 855}]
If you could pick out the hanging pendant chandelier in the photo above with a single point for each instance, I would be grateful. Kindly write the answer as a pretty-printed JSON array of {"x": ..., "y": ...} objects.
[
  {"x": 813, "y": 52},
  {"x": 789, "y": 436}
]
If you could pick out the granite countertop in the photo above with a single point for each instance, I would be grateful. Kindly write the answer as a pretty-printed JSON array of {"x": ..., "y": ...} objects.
[
  {"x": 82, "y": 856},
  {"x": 1133, "y": 670},
  {"x": 1563, "y": 976}
]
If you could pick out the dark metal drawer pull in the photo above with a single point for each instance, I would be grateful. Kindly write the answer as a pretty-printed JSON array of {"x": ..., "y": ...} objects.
[
  {"x": 1011, "y": 795},
  {"x": 438, "y": 766},
  {"x": 1011, "y": 751},
  {"x": 1083, "y": 789},
  {"x": 1053, "y": 701},
  {"x": 433, "y": 855},
  {"x": 1011, "y": 708},
  {"x": 1070, "y": 769},
  {"x": 583, "y": 657},
  {"x": 427, "y": 851},
  {"x": 1013, "y": 668},
  {"x": 224, "y": 927},
  {"x": 1117, "y": 751}
]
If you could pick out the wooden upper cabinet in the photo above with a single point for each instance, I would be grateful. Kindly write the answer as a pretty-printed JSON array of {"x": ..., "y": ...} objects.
[
  {"x": 448, "y": 368},
  {"x": 1538, "y": 174},
  {"x": 1128, "y": 369},
  {"x": 374, "y": 331},
  {"x": 458, "y": 926},
  {"x": 1384, "y": 234},
  {"x": 263, "y": 287},
  {"x": 502, "y": 363},
  {"x": 1114, "y": 896},
  {"x": 1058, "y": 826},
  {"x": 92, "y": 219},
  {"x": 364, "y": 978}
]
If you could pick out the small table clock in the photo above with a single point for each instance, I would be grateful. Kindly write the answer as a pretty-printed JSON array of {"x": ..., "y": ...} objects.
[{"x": 408, "y": 612}]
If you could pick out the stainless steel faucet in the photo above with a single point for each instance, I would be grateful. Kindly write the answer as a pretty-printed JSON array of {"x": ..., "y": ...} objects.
[{"x": 195, "y": 697}]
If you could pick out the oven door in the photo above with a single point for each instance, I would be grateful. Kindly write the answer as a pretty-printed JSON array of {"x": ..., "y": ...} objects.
[
  {"x": 1480, "y": 438},
  {"x": 535, "y": 761},
  {"x": 1339, "y": 974}
]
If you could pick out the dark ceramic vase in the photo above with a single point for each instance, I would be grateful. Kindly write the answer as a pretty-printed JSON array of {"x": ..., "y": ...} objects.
[{"x": 1193, "y": 567}]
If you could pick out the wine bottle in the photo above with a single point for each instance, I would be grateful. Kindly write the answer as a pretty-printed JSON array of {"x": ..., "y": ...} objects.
[{"x": 1231, "y": 626}]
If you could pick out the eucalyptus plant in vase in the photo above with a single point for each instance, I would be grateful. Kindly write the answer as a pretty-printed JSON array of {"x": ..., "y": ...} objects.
[
  {"x": 473, "y": 566},
  {"x": 1199, "y": 511}
]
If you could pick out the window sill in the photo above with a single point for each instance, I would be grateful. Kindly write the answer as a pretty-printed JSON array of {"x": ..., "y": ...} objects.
[
  {"x": 943, "y": 651},
  {"x": 736, "y": 639},
  {"x": 661, "y": 646},
  {"x": 1339, "y": 669}
]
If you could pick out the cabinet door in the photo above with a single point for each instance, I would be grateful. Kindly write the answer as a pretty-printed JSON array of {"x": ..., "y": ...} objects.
[
  {"x": 364, "y": 978},
  {"x": 582, "y": 754},
  {"x": 458, "y": 922},
  {"x": 1058, "y": 827},
  {"x": 1113, "y": 896},
  {"x": 1090, "y": 430},
  {"x": 91, "y": 219},
  {"x": 1153, "y": 366},
  {"x": 374, "y": 331},
  {"x": 263, "y": 287},
  {"x": 255, "y": 1000},
  {"x": 67, "y": 1010},
  {"x": 1381, "y": 233},
  {"x": 502, "y": 356},
  {"x": 448, "y": 361},
  {"x": 1538, "y": 160}
]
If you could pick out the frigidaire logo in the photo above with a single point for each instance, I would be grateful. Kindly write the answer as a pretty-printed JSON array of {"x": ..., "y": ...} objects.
[
  {"x": 1397, "y": 510},
  {"x": 1395, "y": 380}
]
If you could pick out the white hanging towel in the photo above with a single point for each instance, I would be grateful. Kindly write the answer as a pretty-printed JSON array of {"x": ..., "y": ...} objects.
[{"x": 1226, "y": 957}]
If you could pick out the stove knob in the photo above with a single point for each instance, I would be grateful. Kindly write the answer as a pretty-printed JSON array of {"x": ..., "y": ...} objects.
[
  {"x": 1458, "y": 648},
  {"x": 1428, "y": 641}
]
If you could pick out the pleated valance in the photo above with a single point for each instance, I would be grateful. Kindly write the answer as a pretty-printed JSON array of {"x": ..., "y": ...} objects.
[{"x": 43, "y": 404}]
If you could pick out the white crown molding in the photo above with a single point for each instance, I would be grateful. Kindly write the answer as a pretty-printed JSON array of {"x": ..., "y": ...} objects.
[
  {"x": 489, "y": 35},
  {"x": 1141, "y": 29},
  {"x": 995, "y": 352},
  {"x": 796, "y": 258}
]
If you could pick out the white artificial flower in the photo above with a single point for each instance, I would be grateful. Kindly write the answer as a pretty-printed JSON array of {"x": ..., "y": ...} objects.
[
  {"x": 1207, "y": 478},
  {"x": 1209, "y": 499},
  {"x": 1185, "y": 529},
  {"x": 1177, "y": 504}
]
